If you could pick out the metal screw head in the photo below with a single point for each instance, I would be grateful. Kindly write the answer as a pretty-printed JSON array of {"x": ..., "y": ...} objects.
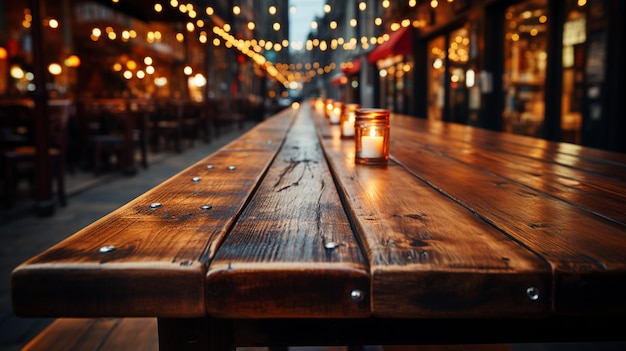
[
  {"x": 155, "y": 205},
  {"x": 231, "y": 168},
  {"x": 196, "y": 179},
  {"x": 107, "y": 249},
  {"x": 209, "y": 166},
  {"x": 532, "y": 293},
  {"x": 206, "y": 207},
  {"x": 357, "y": 295}
]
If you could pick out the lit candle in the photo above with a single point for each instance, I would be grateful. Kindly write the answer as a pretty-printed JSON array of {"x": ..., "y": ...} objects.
[
  {"x": 348, "y": 116},
  {"x": 372, "y": 145},
  {"x": 329, "y": 107},
  {"x": 335, "y": 114},
  {"x": 319, "y": 105},
  {"x": 347, "y": 129},
  {"x": 371, "y": 132}
]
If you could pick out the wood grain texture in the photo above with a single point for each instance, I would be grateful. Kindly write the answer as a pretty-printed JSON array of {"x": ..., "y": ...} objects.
[
  {"x": 161, "y": 254},
  {"x": 458, "y": 228},
  {"x": 429, "y": 256},
  {"x": 557, "y": 213},
  {"x": 103, "y": 334},
  {"x": 607, "y": 163},
  {"x": 275, "y": 262},
  {"x": 579, "y": 176}
]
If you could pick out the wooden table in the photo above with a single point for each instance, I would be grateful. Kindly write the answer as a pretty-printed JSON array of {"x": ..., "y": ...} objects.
[{"x": 278, "y": 238}]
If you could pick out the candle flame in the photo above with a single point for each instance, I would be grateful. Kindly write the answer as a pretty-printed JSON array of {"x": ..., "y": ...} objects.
[{"x": 372, "y": 131}]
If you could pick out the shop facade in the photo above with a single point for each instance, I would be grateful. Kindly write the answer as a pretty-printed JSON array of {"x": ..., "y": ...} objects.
[{"x": 543, "y": 68}]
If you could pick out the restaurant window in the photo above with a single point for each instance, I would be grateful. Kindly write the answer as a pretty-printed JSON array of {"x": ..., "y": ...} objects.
[
  {"x": 403, "y": 86},
  {"x": 391, "y": 82},
  {"x": 525, "y": 50},
  {"x": 451, "y": 76},
  {"x": 384, "y": 89},
  {"x": 574, "y": 38},
  {"x": 436, "y": 78},
  {"x": 458, "y": 58}
]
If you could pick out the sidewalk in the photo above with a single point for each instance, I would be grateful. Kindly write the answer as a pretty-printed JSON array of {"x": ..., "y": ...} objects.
[{"x": 89, "y": 198}]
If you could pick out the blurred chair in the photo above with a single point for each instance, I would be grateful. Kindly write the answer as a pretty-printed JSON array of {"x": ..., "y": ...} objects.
[
  {"x": 171, "y": 125},
  {"x": 19, "y": 161},
  {"x": 15, "y": 122},
  {"x": 141, "y": 113},
  {"x": 115, "y": 127},
  {"x": 193, "y": 122}
]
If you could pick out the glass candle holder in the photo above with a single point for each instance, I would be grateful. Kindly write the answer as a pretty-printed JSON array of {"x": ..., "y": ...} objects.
[
  {"x": 371, "y": 137},
  {"x": 328, "y": 107},
  {"x": 319, "y": 105},
  {"x": 335, "y": 114},
  {"x": 347, "y": 120}
]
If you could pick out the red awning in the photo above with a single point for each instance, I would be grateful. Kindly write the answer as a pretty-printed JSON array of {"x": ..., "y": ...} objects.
[
  {"x": 338, "y": 79},
  {"x": 400, "y": 42},
  {"x": 353, "y": 67}
]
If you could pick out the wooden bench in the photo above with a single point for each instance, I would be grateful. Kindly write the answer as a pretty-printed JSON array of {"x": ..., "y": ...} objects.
[
  {"x": 280, "y": 239},
  {"x": 103, "y": 334},
  {"x": 135, "y": 334}
]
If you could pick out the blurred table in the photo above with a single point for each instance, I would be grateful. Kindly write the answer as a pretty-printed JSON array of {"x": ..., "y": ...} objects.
[{"x": 279, "y": 238}]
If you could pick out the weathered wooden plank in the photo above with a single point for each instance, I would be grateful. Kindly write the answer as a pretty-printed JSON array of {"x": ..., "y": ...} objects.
[
  {"x": 132, "y": 334},
  {"x": 115, "y": 334},
  {"x": 292, "y": 252},
  {"x": 71, "y": 334},
  {"x": 427, "y": 253},
  {"x": 595, "y": 161},
  {"x": 169, "y": 243},
  {"x": 597, "y": 194},
  {"x": 586, "y": 251}
]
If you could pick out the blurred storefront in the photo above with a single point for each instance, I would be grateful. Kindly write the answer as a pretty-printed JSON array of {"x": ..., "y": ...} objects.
[
  {"x": 394, "y": 65},
  {"x": 174, "y": 67},
  {"x": 103, "y": 48},
  {"x": 545, "y": 68}
]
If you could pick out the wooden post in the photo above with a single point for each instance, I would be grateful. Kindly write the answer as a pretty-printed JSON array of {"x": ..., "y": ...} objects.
[{"x": 44, "y": 203}]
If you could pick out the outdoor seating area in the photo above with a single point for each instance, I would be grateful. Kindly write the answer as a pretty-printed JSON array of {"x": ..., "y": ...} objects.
[
  {"x": 312, "y": 175},
  {"x": 98, "y": 137}
]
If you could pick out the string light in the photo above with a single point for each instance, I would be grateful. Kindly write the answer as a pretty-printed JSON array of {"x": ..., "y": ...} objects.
[{"x": 254, "y": 48}]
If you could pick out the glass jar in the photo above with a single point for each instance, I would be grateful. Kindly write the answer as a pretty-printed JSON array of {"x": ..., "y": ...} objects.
[
  {"x": 335, "y": 114},
  {"x": 328, "y": 107},
  {"x": 347, "y": 120},
  {"x": 371, "y": 136}
]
